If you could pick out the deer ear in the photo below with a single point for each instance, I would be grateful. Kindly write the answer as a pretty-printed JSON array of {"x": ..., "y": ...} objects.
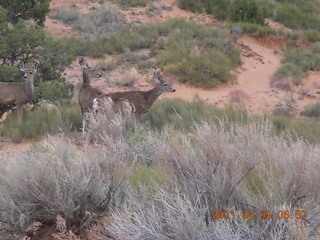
[
  {"x": 21, "y": 64},
  {"x": 155, "y": 76},
  {"x": 160, "y": 78}
]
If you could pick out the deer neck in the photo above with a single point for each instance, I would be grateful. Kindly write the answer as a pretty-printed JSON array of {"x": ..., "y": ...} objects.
[
  {"x": 152, "y": 95},
  {"x": 29, "y": 87},
  {"x": 86, "y": 79}
]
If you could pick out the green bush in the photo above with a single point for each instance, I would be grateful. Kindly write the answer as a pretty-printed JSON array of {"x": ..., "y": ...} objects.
[
  {"x": 200, "y": 55},
  {"x": 46, "y": 119},
  {"x": 10, "y": 74},
  {"x": 312, "y": 110},
  {"x": 134, "y": 3},
  {"x": 53, "y": 91},
  {"x": 246, "y": 11},
  {"x": 185, "y": 115},
  {"x": 256, "y": 29},
  {"x": 26, "y": 9},
  {"x": 293, "y": 16},
  {"x": 311, "y": 35},
  {"x": 305, "y": 59},
  {"x": 291, "y": 71}
]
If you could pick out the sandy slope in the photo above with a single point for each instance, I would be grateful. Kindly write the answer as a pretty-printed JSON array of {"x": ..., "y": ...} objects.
[{"x": 260, "y": 57}]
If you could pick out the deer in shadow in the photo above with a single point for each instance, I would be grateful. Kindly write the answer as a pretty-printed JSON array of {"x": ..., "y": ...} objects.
[{"x": 19, "y": 94}]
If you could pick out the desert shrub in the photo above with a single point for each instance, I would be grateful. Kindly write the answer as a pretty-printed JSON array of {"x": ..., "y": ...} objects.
[
  {"x": 47, "y": 119},
  {"x": 283, "y": 75},
  {"x": 10, "y": 74},
  {"x": 297, "y": 61},
  {"x": 306, "y": 59},
  {"x": 102, "y": 20},
  {"x": 184, "y": 115},
  {"x": 246, "y": 11},
  {"x": 239, "y": 97},
  {"x": 134, "y": 3},
  {"x": 312, "y": 35},
  {"x": 254, "y": 28},
  {"x": 293, "y": 16},
  {"x": 52, "y": 91},
  {"x": 107, "y": 121},
  {"x": 200, "y": 55},
  {"x": 312, "y": 110},
  {"x": 58, "y": 179},
  {"x": 213, "y": 169}
]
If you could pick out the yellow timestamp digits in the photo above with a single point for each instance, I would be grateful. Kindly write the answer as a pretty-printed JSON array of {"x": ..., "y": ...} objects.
[{"x": 268, "y": 214}]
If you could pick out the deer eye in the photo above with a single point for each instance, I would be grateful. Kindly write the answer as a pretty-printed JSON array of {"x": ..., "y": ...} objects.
[{"x": 166, "y": 84}]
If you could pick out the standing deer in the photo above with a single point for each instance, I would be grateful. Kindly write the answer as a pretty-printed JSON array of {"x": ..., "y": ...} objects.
[
  {"x": 19, "y": 94},
  {"x": 141, "y": 101},
  {"x": 87, "y": 93}
]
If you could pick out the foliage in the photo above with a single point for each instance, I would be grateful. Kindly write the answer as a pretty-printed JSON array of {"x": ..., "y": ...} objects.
[
  {"x": 46, "y": 119},
  {"x": 56, "y": 179},
  {"x": 246, "y": 11},
  {"x": 10, "y": 74},
  {"x": 312, "y": 110},
  {"x": 291, "y": 71},
  {"x": 52, "y": 91},
  {"x": 185, "y": 115},
  {"x": 134, "y": 3},
  {"x": 200, "y": 55},
  {"x": 254, "y": 28},
  {"x": 293, "y": 16},
  {"x": 298, "y": 61},
  {"x": 237, "y": 11},
  {"x": 20, "y": 42},
  {"x": 100, "y": 21},
  {"x": 26, "y": 9}
]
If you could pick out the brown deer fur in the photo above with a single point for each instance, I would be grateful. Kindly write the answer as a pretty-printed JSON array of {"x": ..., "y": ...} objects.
[{"x": 19, "y": 94}]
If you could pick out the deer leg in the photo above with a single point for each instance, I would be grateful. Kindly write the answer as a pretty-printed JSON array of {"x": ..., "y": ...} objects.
[{"x": 19, "y": 112}]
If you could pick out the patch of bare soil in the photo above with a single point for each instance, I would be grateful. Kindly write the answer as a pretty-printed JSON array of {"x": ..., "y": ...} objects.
[{"x": 9, "y": 147}]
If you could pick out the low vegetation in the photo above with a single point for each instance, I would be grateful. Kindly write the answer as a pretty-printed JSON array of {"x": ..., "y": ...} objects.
[
  {"x": 46, "y": 119},
  {"x": 134, "y": 3},
  {"x": 289, "y": 13},
  {"x": 158, "y": 183},
  {"x": 298, "y": 61},
  {"x": 102, "y": 20}
]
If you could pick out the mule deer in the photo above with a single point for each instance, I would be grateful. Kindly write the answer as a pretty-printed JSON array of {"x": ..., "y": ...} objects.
[
  {"x": 87, "y": 93},
  {"x": 19, "y": 94},
  {"x": 141, "y": 101}
]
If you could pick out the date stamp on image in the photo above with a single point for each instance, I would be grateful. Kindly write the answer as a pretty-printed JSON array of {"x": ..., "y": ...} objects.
[{"x": 285, "y": 214}]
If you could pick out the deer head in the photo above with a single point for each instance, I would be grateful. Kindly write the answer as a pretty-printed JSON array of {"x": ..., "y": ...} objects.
[
  {"x": 29, "y": 73},
  {"x": 29, "y": 76},
  {"x": 161, "y": 83}
]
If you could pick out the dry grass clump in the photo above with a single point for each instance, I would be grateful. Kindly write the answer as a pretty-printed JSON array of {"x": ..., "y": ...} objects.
[
  {"x": 281, "y": 83},
  {"x": 111, "y": 120},
  {"x": 165, "y": 184},
  {"x": 239, "y": 97},
  {"x": 217, "y": 169},
  {"x": 105, "y": 19},
  {"x": 57, "y": 178}
]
